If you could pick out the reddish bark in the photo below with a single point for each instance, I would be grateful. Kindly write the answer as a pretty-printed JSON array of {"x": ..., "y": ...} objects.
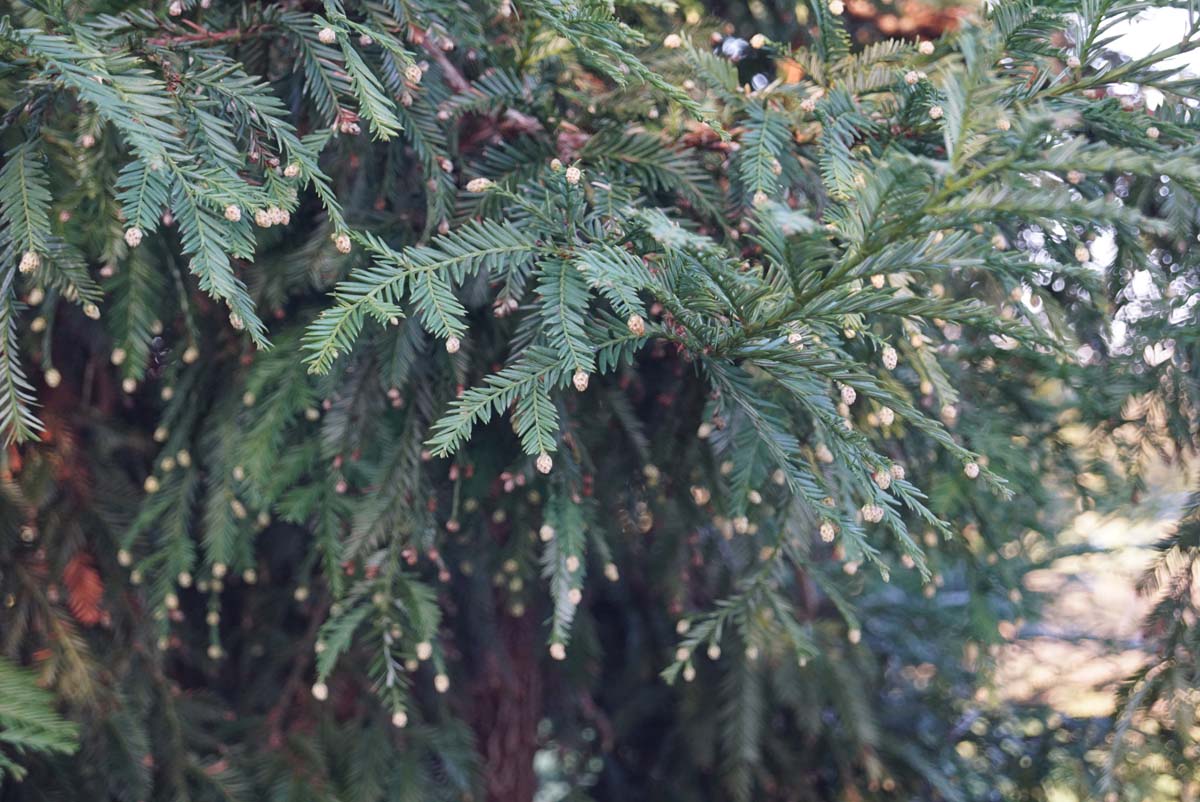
[{"x": 507, "y": 705}]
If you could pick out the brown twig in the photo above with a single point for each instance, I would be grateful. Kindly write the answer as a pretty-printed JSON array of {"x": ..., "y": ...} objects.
[
  {"x": 458, "y": 82},
  {"x": 294, "y": 683},
  {"x": 204, "y": 36}
]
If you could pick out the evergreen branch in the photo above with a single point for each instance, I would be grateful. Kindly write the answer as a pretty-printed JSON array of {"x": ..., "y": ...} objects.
[
  {"x": 425, "y": 272},
  {"x": 205, "y": 237},
  {"x": 28, "y": 721},
  {"x": 564, "y": 304},
  {"x": 563, "y": 560},
  {"x": 17, "y": 419},
  {"x": 24, "y": 202},
  {"x": 522, "y": 381}
]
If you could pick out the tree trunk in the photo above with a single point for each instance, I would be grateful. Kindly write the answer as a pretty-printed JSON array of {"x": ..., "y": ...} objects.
[{"x": 507, "y": 706}]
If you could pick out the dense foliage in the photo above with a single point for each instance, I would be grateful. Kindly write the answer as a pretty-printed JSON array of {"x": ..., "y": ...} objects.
[{"x": 442, "y": 400}]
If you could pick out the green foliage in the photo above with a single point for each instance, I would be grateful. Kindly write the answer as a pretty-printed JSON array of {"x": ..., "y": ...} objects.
[
  {"x": 710, "y": 424},
  {"x": 425, "y": 273},
  {"x": 28, "y": 721}
]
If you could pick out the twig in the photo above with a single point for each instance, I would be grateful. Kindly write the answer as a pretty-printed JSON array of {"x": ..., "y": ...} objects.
[
  {"x": 203, "y": 36},
  {"x": 453, "y": 77},
  {"x": 295, "y": 680},
  {"x": 459, "y": 83}
]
